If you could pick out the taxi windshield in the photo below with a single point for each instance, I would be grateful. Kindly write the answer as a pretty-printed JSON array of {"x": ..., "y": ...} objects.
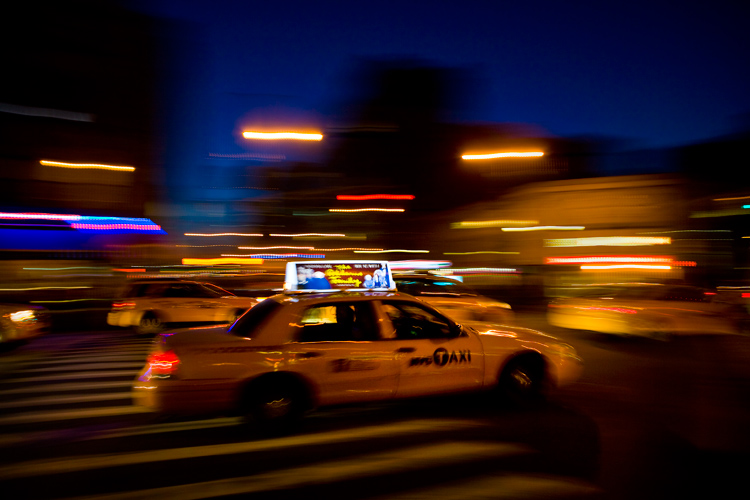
[{"x": 253, "y": 319}]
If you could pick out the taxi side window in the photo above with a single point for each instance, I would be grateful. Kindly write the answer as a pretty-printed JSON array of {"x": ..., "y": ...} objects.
[
  {"x": 338, "y": 323},
  {"x": 414, "y": 322}
]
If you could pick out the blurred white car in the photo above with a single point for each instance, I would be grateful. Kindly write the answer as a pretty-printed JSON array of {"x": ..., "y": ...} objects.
[
  {"x": 295, "y": 352},
  {"x": 152, "y": 306},
  {"x": 454, "y": 298},
  {"x": 20, "y": 321},
  {"x": 651, "y": 310}
]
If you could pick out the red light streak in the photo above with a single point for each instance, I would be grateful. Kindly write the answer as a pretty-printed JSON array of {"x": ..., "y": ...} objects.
[{"x": 367, "y": 197}]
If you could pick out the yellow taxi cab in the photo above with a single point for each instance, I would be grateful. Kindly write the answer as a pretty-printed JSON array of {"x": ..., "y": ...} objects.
[
  {"x": 654, "y": 310},
  {"x": 295, "y": 351},
  {"x": 455, "y": 299},
  {"x": 151, "y": 306},
  {"x": 20, "y": 322}
]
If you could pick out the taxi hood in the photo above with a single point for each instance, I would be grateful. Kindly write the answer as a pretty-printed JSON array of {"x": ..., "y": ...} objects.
[{"x": 484, "y": 328}]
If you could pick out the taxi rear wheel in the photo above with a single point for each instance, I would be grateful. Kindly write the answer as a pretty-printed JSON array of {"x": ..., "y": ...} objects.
[
  {"x": 150, "y": 324},
  {"x": 274, "y": 405},
  {"x": 523, "y": 382}
]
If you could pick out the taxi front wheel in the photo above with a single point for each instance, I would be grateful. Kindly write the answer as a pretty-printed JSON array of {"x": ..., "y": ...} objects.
[{"x": 522, "y": 382}]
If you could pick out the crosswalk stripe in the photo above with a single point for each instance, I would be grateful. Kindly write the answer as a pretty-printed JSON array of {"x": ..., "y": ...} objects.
[
  {"x": 73, "y": 464},
  {"x": 138, "y": 430},
  {"x": 83, "y": 366},
  {"x": 63, "y": 400},
  {"x": 402, "y": 460},
  {"x": 79, "y": 386},
  {"x": 505, "y": 486},
  {"x": 72, "y": 376},
  {"x": 54, "y": 416},
  {"x": 68, "y": 360}
]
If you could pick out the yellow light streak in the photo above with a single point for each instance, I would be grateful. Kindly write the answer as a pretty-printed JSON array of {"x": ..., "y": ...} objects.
[
  {"x": 222, "y": 234},
  {"x": 366, "y": 210},
  {"x": 222, "y": 260},
  {"x": 277, "y": 136},
  {"x": 473, "y": 224},
  {"x": 510, "y": 154},
  {"x": 99, "y": 166},
  {"x": 626, "y": 266},
  {"x": 545, "y": 228},
  {"x": 618, "y": 241}
]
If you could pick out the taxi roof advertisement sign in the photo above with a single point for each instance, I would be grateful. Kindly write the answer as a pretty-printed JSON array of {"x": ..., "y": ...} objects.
[{"x": 339, "y": 275}]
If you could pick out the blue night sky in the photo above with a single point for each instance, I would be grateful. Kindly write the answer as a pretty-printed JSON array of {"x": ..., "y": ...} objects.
[{"x": 654, "y": 73}]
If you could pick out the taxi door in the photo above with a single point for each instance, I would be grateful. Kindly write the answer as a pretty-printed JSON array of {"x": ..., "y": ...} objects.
[
  {"x": 337, "y": 347},
  {"x": 433, "y": 357}
]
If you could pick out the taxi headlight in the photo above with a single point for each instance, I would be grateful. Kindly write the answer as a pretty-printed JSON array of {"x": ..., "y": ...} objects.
[{"x": 21, "y": 316}]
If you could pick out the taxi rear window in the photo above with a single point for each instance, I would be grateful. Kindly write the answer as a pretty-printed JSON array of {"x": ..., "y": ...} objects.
[{"x": 252, "y": 320}]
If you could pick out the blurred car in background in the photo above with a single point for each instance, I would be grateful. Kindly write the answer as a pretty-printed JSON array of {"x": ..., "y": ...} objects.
[
  {"x": 150, "y": 306},
  {"x": 454, "y": 298},
  {"x": 651, "y": 310},
  {"x": 19, "y": 322},
  {"x": 297, "y": 351}
]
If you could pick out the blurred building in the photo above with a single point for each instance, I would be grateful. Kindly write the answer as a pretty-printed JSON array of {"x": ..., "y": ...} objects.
[
  {"x": 76, "y": 134},
  {"x": 77, "y": 89}
]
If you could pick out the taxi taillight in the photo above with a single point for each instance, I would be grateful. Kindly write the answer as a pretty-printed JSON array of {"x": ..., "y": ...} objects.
[
  {"x": 123, "y": 305},
  {"x": 163, "y": 363}
]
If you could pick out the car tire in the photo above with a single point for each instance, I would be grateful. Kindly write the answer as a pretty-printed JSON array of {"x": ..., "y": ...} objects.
[
  {"x": 150, "y": 324},
  {"x": 522, "y": 382},
  {"x": 660, "y": 330},
  {"x": 274, "y": 406}
]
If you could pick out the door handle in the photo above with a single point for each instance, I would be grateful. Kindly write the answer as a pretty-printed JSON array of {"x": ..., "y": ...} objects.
[
  {"x": 406, "y": 349},
  {"x": 308, "y": 355}
]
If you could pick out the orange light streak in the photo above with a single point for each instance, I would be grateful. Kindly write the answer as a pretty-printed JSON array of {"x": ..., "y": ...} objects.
[
  {"x": 280, "y": 136},
  {"x": 510, "y": 154}
]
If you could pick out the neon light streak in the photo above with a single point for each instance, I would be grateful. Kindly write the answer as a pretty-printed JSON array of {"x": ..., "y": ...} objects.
[
  {"x": 281, "y": 256},
  {"x": 31, "y": 215},
  {"x": 368, "y": 197},
  {"x": 615, "y": 259},
  {"x": 280, "y": 136},
  {"x": 625, "y": 266},
  {"x": 468, "y": 224},
  {"x": 419, "y": 264},
  {"x": 283, "y": 247},
  {"x": 335, "y": 235},
  {"x": 110, "y": 227},
  {"x": 484, "y": 270},
  {"x": 396, "y": 250},
  {"x": 347, "y": 249},
  {"x": 217, "y": 261},
  {"x": 477, "y": 253},
  {"x": 351, "y": 210},
  {"x": 545, "y": 228},
  {"x": 222, "y": 234},
  {"x": 99, "y": 166},
  {"x": 511, "y": 154}
]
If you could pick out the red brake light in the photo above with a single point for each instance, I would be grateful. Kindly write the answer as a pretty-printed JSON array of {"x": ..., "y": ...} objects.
[
  {"x": 123, "y": 305},
  {"x": 163, "y": 363}
]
